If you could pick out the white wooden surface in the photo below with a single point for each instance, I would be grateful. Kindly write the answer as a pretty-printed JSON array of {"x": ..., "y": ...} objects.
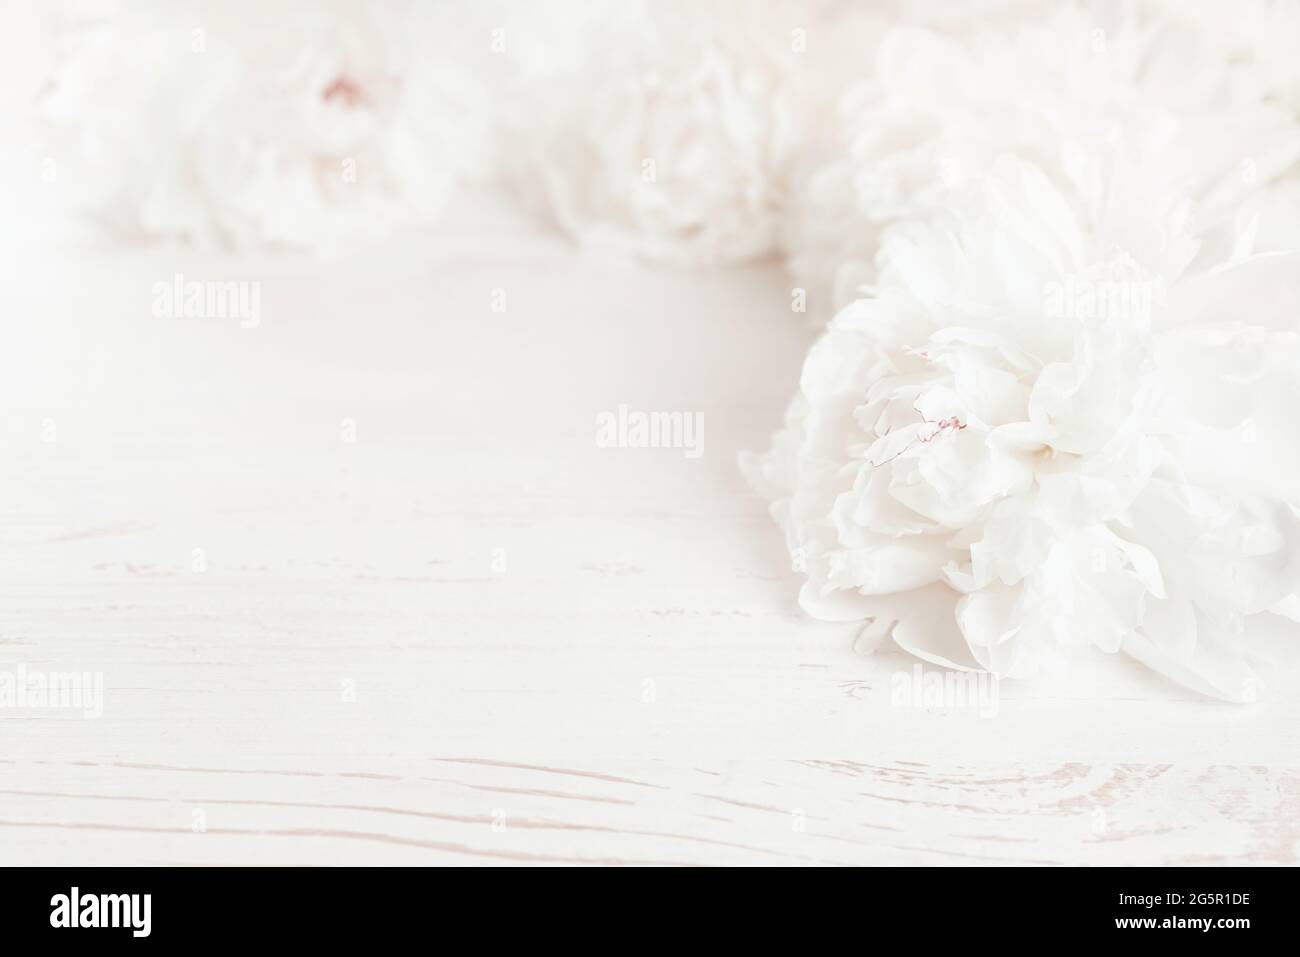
[{"x": 635, "y": 685}]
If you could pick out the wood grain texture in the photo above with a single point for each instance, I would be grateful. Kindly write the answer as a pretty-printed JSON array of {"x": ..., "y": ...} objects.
[
  {"x": 473, "y": 636},
  {"x": 473, "y": 810}
]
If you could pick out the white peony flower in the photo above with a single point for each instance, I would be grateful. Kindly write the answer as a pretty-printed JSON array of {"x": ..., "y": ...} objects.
[
  {"x": 1257, "y": 40},
  {"x": 1056, "y": 85},
  {"x": 666, "y": 132},
  {"x": 1036, "y": 438},
  {"x": 325, "y": 124}
]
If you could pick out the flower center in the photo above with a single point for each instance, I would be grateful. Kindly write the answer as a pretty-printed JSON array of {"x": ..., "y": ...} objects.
[{"x": 344, "y": 90}]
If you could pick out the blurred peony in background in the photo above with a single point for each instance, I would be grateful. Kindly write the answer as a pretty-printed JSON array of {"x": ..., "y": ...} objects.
[
  {"x": 692, "y": 133},
  {"x": 304, "y": 125}
]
